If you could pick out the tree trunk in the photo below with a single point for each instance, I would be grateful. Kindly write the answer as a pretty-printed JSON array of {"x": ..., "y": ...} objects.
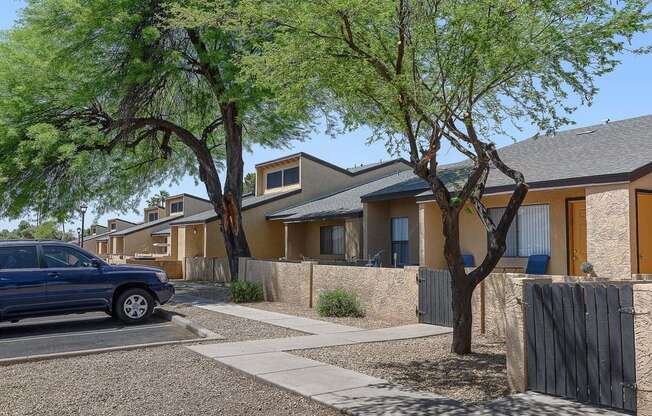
[
  {"x": 231, "y": 226},
  {"x": 462, "y": 316},
  {"x": 461, "y": 286}
]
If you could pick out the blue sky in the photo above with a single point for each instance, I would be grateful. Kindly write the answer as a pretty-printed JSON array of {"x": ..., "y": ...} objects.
[{"x": 624, "y": 93}]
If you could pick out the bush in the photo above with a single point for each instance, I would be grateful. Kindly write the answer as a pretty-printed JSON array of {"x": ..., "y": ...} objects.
[
  {"x": 246, "y": 292},
  {"x": 339, "y": 303}
]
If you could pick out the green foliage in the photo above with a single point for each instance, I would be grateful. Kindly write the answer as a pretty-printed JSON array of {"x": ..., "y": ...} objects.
[
  {"x": 249, "y": 185},
  {"x": 339, "y": 303},
  {"x": 48, "y": 230},
  {"x": 158, "y": 199},
  {"x": 85, "y": 86},
  {"x": 380, "y": 63},
  {"x": 242, "y": 292}
]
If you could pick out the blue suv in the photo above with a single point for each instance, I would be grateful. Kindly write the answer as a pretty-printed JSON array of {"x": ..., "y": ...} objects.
[{"x": 42, "y": 278}]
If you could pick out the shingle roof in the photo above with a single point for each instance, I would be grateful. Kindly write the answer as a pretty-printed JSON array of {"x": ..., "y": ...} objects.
[
  {"x": 345, "y": 203},
  {"x": 143, "y": 226},
  {"x": 165, "y": 231},
  {"x": 248, "y": 202},
  {"x": 617, "y": 151}
]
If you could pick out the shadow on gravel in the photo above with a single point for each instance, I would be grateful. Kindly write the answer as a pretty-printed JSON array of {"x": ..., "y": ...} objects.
[{"x": 483, "y": 374}]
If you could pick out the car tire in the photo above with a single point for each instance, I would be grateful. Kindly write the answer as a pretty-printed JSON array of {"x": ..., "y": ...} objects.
[{"x": 134, "y": 306}]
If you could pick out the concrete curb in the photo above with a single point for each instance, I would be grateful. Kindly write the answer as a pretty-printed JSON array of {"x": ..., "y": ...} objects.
[
  {"x": 43, "y": 357},
  {"x": 187, "y": 324}
]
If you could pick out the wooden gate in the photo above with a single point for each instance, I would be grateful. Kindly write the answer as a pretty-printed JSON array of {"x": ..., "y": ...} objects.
[
  {"x": 435, "y": 306},
  {"x": 580, "y": 342}
]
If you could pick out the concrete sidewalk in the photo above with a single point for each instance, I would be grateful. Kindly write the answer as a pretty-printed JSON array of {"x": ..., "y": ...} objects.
[{"x": 349, "y": 391}]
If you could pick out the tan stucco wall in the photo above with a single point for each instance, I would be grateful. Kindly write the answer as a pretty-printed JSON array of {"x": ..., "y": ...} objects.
[
  {"x": 643, "y": 347},
  {"x": 372, "y": 286},
  {"x": 608, "y": 230},
  {"x": 213, "y": 241},
  {"x": 281, "y": 281},
  {"x": 117, "y": 245},
  {"x": 194, "y": 241},
  {"x": 431, "y": 241},
  {"x": 192, "y": 206}
]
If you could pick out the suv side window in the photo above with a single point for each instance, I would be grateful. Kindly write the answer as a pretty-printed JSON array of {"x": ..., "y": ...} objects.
[
  {"x": 59, "y": 256},
  {"x": 18, "y": 257}
]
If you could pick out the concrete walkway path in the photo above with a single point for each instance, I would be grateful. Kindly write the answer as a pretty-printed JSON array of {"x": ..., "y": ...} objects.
[{"x": 351, "y": 392}]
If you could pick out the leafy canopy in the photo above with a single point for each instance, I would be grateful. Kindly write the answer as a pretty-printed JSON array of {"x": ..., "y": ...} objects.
[
  {"x": 90, "y": 91},
  {"x": 418, "y": 64}
]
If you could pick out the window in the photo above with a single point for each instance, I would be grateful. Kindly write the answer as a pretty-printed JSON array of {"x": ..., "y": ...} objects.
[
  {"x": 400, "y": 242},
  {"x": 18, "y": 257},
  {"x": 274, "y": 179},
  {"x": 176, "y": 207},
  {"x": 153, "y": 216},
  {"x": 529, "y": 233},
  {"x": 291, "y": 176},
  {"x": 331, "y": 240},
  {"x": 284, "y": 177},
  {"x": 114, "y": 226},
  {"x": 57, "y": 257}
]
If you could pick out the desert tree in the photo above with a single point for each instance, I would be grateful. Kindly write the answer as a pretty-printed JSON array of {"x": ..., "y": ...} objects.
[
  {"x": 101, "y": 100},
  {"x": 427, "y": 73}
]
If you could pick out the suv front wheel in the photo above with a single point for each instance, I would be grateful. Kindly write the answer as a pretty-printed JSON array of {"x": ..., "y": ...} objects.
[{"x": 134, "y": 306}]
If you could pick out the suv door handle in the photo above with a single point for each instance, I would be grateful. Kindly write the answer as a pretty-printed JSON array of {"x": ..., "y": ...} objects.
[{"x": 54, "y": 275}]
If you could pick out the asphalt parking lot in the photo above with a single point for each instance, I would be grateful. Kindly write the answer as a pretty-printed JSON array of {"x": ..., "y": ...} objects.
[{"x": 71, "y": 333}]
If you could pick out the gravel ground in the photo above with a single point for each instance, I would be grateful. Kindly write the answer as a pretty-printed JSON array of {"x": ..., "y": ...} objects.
[
  {"x": 427, "y": 364},
  {"x": 296, "y": 310},
  {"x": 231, "y": 327},
  {"x": 156, "y": 381}
]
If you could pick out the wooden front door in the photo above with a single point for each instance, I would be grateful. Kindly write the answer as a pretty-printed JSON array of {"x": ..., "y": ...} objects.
[
  {"x": 644, "y": 231},
  {"x": 576, "y": 236}
]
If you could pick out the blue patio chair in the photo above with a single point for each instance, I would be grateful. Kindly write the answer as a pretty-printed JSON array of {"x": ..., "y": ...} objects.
[
  {"x": 537, "y": 264},
  {"x": 468, "y": 260}
]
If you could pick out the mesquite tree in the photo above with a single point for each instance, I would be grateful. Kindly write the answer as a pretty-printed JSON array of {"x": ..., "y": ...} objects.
[
  {"x": 427, "y": 72},
  {"x": 101, "y": 100}
]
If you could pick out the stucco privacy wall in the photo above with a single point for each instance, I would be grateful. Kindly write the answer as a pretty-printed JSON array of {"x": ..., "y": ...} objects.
[
  {"x": 643, "y": 347},
  {"x": 385, "y": 294},
  {"x": 282, "y": 281},
  {"x": 608, "y": 230}
]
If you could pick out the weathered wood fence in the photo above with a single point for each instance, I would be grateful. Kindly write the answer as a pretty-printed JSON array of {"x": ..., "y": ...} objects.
[
  {"x": 580, "y": 342},
  {"x": 211, "y": 269}
]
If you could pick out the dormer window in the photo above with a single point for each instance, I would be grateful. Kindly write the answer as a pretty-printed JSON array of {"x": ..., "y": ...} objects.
[
  {"x": 285, "y": 177},
  {"x": 176, "y": 207},
  {"x": 114, "y": 226},
  {"x": 152, "y": 216}
]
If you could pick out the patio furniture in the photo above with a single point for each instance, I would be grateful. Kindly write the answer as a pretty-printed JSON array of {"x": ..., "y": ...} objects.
[{"x": 537, "y": 264}]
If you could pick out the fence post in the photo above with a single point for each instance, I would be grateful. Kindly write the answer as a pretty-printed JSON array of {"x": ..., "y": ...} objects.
[
  {"x": 643, "y": 347},
  {"x": 515, "y": 329},
  {"x": 310, "y": 286}
]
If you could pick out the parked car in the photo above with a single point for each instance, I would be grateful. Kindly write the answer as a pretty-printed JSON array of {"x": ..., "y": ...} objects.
[{"x": 43, "y": 278}]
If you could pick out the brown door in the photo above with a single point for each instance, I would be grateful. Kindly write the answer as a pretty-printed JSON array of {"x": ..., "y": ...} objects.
[
  {"x": 576, "y": 236},
  {"x": 644, "y": 227}
]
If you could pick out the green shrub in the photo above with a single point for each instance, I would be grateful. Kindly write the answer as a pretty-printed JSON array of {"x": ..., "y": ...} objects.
[
  {"x": 246, "y": 292},
  {"x": 339, "y": 303}
]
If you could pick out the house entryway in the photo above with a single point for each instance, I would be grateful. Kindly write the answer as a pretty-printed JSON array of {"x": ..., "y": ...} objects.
[
  {"x": 644, "y": 230},
  {"x": 580, "y": 342},
  {"x": 576, "y": 232}
]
